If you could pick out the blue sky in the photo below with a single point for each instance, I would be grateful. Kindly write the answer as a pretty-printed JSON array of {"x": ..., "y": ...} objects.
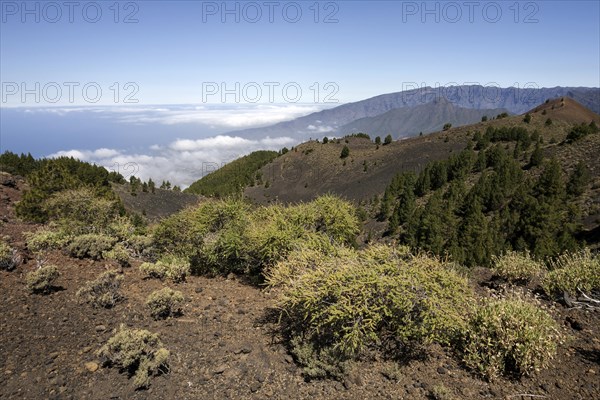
[
  {"x": 209, "y": 68},
  {"x": 373, "y": 48}
]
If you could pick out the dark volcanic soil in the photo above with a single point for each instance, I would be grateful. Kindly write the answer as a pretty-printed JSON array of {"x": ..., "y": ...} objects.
[{"x": 224, "y": 346}]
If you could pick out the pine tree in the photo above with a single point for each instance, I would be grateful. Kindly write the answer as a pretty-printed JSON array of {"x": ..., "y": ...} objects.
[
  {"x": 537, "y": 156},
  {"x": 579, "y": 179},
  {"x": 345, "y": 152},
  {"x": 473, "y": 236}
]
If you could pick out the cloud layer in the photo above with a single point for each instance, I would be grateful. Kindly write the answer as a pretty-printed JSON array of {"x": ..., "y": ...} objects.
[
  {"x": 182, "y": 162},
  {"x": 238, "y": 116}
]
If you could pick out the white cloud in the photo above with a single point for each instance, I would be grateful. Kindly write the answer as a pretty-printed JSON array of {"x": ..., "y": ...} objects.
[
  {"x": 217, "y": 142},
  {"x": 320, "y": 129},
  {"x": 86, "y": 155}
]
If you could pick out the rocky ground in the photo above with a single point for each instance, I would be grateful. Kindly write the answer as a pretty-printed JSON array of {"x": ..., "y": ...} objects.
[{"x": 225, "y": 345}]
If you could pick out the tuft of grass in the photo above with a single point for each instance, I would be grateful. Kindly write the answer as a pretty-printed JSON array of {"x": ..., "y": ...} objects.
[
  {"x": 572, "y": 272},
  {"x": 441, "y": 392},
  {"x": 318, "y": 362},
  {"x": 517, "y": 267}
]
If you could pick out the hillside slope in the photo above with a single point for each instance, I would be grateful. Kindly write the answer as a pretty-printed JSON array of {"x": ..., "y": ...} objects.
[
  {"x": 314, "y": 168},
  {"x": 156, "y": 205},
  {"x": 232, "y": 177}
]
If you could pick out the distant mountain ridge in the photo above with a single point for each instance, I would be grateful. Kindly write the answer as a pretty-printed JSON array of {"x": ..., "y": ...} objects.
[{"x": 330, "y": 121}]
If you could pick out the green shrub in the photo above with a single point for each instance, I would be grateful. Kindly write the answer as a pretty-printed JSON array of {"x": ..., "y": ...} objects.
[
  {"x": 349, "y": 300},
  {"x": 137, "y": 351},
  {"x": 164, "y": 303},
  {"x": 46, "y": 239},
  {"x": 118, "y": 253},
  {"x": 90, "y": 245},
  {"x": 336, "y": 218},
  {"x": 103, "y": 291},
  {"x": 169, "y": 267},
  {"x": 81, "y": 211},
  {"x": 276, "y": 231},
  {"x": 514, "y": 266},
  {"x": 8, "y": 257},
  {"x": 183, "y": 233},
  {"x": 41, "y": 280},
  {"x": 53, "y": 175},
  {"x": 121, "y": 228},
  {"x": 572, "y": 272},
  {"x": 141, "y": 245},
  {"x": 154, "y": 270},
  {"x": 509, "y": 337},
  {"x": 226, "y": 236}
]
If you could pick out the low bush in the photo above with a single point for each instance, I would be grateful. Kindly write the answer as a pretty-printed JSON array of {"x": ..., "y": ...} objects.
[
  {"x": 91, "y": 245},
  {"x": 121, "y": 228},
  {"x": 225, "y": 236},
  {"x": 184, "y": 233},
  {"x": 141, "y": 245},
  {"x": 168, "y": 267},
  {"x": 515, "y": 267},
  {"x": 509, "y": 337},
  {"x": 8, "y": 257},
  {"x": 81, "y": 211},
  {"x": 164, "y": 303},
  {"x": 276, "y": 231},
  {"x": 103, "y": 291},
  {"x": 137, "y": 351},
  {"x": 572, "y": 272},
  {"x": 46, "y": 239},
  {"x": 351, "y": 300},
  {"x": 118, "y": 253},
  {"x": 42, "y": 279}
]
